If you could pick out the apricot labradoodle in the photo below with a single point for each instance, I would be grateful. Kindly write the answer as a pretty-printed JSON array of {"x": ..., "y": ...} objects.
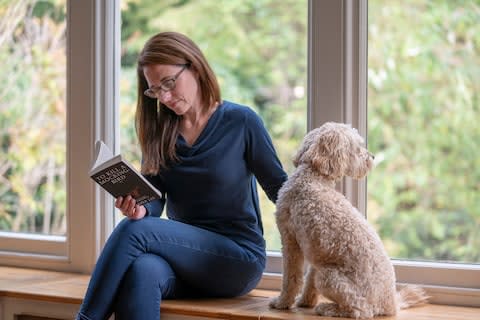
[{"x": 347, "y": 261}]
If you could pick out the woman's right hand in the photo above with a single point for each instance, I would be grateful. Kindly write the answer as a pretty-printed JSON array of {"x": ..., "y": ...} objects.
[{"x": 129, "y": 208}]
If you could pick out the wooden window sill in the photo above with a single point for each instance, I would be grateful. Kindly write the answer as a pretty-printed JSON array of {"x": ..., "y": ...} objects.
[{"x": 62, "y": 287}]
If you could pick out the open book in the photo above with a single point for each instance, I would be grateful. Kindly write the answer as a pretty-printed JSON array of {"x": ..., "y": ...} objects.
[{"x": 120, "y": 178}]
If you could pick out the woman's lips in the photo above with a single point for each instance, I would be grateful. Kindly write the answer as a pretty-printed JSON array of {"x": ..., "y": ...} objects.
[{"x": 175, "y": 106}]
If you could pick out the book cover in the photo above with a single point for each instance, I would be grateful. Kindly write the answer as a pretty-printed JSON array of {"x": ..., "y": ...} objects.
[{"x": 120, "y": 178}]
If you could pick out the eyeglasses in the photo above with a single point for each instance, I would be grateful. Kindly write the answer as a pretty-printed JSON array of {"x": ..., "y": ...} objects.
[{"x": 166, "y": 85}]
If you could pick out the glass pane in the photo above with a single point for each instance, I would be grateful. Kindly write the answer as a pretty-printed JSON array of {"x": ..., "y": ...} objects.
[
  {"x": 258, "y": 50},
  {"x": 33, "y": 116},
  {"x": 423, "y": 108}
]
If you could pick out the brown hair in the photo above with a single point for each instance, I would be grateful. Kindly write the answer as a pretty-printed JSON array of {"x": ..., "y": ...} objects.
[{"x": 157, "y": 126}]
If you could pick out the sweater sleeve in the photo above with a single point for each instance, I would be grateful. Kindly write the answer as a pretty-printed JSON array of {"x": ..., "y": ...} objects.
[
  {"x": 262, "y": 158},
  {"x": 155, "y": 208}
]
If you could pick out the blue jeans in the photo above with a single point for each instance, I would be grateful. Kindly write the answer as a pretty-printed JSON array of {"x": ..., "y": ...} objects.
[{"x": 147, "y": 260}]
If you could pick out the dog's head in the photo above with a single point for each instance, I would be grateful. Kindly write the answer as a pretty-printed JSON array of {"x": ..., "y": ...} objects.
[{"x": 335, "y": 150}]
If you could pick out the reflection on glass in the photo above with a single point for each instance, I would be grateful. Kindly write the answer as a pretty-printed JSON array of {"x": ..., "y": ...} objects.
[
  {"x": 423, "y": 108},
  {"x": 33, "y": 116},
  {"x": 258, "y": 50}
]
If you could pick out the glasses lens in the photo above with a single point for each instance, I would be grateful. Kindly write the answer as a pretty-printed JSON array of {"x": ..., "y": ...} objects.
[
  {"x": 150, "y": 93},
  {"x": 168, "y": 85}
]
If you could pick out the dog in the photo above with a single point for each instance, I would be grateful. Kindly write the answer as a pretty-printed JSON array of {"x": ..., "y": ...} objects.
[{"x": 347, "y": 262}]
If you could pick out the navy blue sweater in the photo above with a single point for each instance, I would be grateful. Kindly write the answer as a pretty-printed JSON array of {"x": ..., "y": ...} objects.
[{"x": 213, "y": 186}]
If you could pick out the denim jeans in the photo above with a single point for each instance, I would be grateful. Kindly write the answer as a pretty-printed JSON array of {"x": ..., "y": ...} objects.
[{"x": 147, "y": 260}]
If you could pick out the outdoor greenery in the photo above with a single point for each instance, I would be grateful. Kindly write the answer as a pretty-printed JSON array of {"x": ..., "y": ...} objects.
[
  {"x": 32, "y": 116},
  {"x": 423, "y": 102}
]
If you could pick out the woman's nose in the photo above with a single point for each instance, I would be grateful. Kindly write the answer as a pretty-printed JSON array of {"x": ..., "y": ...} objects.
[{"x": 164, "y": 96}]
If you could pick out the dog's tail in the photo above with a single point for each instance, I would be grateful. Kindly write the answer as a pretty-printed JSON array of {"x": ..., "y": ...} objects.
[{"x": 410, "y": 296}]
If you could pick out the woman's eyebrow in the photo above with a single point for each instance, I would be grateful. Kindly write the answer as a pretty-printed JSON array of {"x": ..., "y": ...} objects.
[
  {"x": 166, "y": 78},
  {"x": 161, "y": 80}
]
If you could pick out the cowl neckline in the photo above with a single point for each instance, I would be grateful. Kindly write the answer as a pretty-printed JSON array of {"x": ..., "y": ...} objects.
[{"x": 184, "y": 149}]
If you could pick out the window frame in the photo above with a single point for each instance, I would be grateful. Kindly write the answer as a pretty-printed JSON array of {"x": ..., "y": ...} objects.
[
  {"x": 93, "y": 56},
  {"x": 338, "y": 36}
]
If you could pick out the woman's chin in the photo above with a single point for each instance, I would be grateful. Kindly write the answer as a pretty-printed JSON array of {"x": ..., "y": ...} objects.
[{"x": 178, "y": 108}]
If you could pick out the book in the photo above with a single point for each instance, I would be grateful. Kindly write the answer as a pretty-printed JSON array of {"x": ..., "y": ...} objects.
[{"x": 119, "y": 178}]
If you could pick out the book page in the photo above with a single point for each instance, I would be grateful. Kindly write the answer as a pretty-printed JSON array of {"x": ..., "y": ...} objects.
[
  {"x": 104, "y": 157},
  {"x": 102, "y": 152}
]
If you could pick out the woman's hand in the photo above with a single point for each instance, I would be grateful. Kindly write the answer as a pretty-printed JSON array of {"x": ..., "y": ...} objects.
[{"x": 129, "y": 208}]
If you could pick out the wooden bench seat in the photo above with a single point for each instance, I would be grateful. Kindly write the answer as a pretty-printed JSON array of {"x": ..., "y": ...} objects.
[{"x": 69, "y": 288}]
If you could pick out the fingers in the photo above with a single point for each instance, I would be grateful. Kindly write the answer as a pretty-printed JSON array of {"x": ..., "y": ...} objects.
[
  {"x": 126, "y": 205},
  {"x": 118, "y": 202},
  {"x": 139, "y": 213},
  {"x": 129, "y": 208}
]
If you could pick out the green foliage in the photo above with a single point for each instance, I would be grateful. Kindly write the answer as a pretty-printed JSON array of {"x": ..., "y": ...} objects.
[
  {"x": 32, "y": 117},
  {"x": 423, "y": 106},
  {"x": 53, "y": 9}
]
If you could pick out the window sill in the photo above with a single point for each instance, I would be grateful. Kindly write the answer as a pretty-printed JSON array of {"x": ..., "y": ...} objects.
[{"x": 69, "y": 288}]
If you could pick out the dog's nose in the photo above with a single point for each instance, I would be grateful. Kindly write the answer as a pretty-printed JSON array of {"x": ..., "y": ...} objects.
[{"x": 371, "y": 155}]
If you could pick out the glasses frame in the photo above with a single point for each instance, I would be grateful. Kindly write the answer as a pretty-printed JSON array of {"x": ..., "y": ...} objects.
[{"x": 153, "y": 91}]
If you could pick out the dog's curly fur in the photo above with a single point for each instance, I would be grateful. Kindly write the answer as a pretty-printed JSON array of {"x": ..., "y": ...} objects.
[{"x": 347, "y": 261}]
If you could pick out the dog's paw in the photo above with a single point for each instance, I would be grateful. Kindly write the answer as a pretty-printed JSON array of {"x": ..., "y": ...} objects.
[
  {"x": 329, "y": 310},
  {"x": 306, "y": 301},
  {"x": 334, "y": 310},
  {"x": 279, "y": 303}
]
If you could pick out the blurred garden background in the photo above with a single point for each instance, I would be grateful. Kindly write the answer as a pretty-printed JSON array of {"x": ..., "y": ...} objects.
[
  {"x": 423, "y": 105},
  {"x": 423, "y": 113}
]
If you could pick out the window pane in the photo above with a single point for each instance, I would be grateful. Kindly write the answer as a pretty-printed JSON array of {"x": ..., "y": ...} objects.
[
  {"x": 258, "y": 50},
  {"x": 33, "y": 116},
  {"x": 423, "y": 108}
]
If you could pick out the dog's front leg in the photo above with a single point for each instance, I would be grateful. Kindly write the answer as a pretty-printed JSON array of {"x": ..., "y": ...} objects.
[
  {"x": 292, "y": 272},
  {"x": 308, "y": 298}
]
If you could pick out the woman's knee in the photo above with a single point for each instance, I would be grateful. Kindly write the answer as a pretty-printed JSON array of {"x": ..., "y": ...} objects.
[
  {"x": 150, "y": 268},
  {"x": 132, "y": 232},
  {"x": 128, "y": 226},
  {"x": 146, "y": 226}
]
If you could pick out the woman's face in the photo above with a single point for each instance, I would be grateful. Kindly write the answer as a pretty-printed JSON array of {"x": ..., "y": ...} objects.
[{"x": 184, "y": 93}]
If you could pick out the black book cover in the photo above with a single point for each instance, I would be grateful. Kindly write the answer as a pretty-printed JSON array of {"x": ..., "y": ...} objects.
[{"x": 119, "y": 178}]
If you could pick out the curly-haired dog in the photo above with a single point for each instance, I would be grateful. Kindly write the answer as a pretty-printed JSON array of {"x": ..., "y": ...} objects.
[{"x": 347, "y": 261}]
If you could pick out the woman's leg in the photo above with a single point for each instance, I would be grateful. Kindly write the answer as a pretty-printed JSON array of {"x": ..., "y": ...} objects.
[
  {"x": 147, "y": 281},
  {"x": 209, "y": 263}
]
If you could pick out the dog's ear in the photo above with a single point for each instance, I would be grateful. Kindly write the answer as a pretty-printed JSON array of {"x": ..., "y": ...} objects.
[
  {"x": 298, "y": 158},
  {"x": 307, "y": 142},
  {"x": 329, "y": 154}
]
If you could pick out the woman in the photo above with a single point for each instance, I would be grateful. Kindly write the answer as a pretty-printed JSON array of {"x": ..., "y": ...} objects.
[{"x": 205, "y": 155}]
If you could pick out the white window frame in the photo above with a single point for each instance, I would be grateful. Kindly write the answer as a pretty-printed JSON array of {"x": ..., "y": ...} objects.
[
  {"x": 93, "y": 58},
  {"x": 337, "y": 91}
]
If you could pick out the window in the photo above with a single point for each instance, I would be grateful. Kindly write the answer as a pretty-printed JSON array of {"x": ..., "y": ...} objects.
[
  {"x": 33, "y": 111},
  {"x": 338, "y": 82},
  {"x": 61, "y": 88},
  {"x": 422, "y": 104},
  {"x": 423, "y": 196}
]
